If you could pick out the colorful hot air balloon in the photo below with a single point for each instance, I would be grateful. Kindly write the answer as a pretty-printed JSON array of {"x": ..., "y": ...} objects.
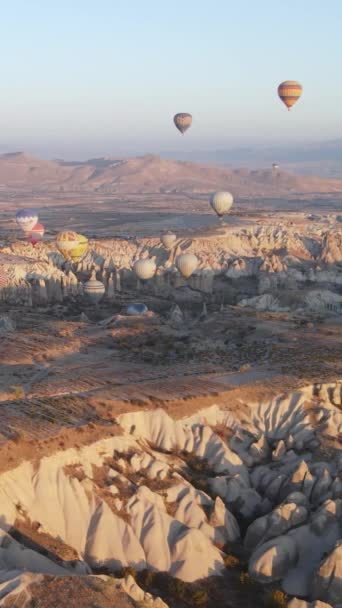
[
  {"x": 168, "y": 240},
  {"x": 94, "y": 289},
  {"x": 289, "y": 92},
  {"x": 182, "y": 121},
  {"x": 186, "y": 264},
  {"x": 71, "y": 245},
  {"x": 221, "y": 202},
  {"x": 145, "y": 269},
  {"x": 36, "y": 234},
  {"x": 26, "y": 219},
  {"x": 80, "y": 249}
]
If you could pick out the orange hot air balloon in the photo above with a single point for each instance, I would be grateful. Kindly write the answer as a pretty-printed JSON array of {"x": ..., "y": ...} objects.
[
  {"x": 182, "y": 121},
  {"x": 289, "y": 92}
]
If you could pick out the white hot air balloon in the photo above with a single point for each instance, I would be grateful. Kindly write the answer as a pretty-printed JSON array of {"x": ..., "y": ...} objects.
[
  {"x": 187, "y": 264},
  {"x": 94, "y": 289},
  {"x": 168, "y": 240},
  {"x": 221, "y": 202},
  {"x": 145, "y": 269}
]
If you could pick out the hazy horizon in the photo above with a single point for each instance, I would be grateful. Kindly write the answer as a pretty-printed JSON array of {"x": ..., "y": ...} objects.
[
  {"x": 107, "y": 78},
  {"x": 251, "y": 153}
]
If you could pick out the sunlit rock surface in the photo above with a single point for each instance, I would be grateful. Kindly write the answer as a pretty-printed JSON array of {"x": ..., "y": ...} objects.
[{"x": 132, "y": 501}]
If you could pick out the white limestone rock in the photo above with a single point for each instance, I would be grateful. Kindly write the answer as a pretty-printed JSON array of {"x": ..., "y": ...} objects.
[
  {"x": 328, "y": 580},
  {"x": 272, "y": 560},
  {"x": 276, "y": 523}
]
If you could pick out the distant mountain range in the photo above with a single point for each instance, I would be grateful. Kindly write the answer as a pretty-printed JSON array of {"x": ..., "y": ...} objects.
[
  {"x": 152, "y": 174},
  {"x": 322, "y": 159}
]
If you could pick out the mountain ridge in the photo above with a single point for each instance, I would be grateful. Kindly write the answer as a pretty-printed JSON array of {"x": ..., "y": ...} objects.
[{"x": 153, "y": 174}]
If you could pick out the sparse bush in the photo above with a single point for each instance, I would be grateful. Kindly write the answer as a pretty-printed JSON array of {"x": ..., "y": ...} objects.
[
  {"x": 18, "y": 391},
  {"x": 199, "y": 465},
  {"x": 177, "y": 588},
  {"x": 129, "y": 571},
  {"x": 200, "y": 484},
  {"x": 276, "y": 599},
  {"x": 199, "y": 597},
  {"x": 147, "y": 578},
  {"x": 245, "y": 579},
  {"x": 230, "y": 561},
  {"x": 75, "y": 471}
]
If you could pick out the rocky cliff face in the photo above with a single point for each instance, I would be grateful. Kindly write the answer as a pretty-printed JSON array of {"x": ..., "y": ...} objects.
[
  {"x": 268, "y": 268},
  {"x": 177, "y": 496}
]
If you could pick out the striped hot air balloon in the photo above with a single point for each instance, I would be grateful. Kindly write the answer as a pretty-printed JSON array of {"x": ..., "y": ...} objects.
[
  {"x": 26, "y": 219},
  {"x": 182, "y": 121},
  {"x": 289, "y": 92}
]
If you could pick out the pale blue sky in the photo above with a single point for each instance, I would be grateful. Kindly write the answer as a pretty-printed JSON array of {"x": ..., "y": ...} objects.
[{"x": 94, "y": 77}]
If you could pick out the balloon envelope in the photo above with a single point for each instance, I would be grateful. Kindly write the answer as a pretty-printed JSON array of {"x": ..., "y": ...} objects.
[
  {"x": 136, "y": 309},
  {"x": 145, "y": 269},
  {"x": 289, "y": 92},
  {"x": 26, "y": 219},
  {"x": 182, "y": 121},
  {"x": 94, "y": 289},
  {"x": 186, "y": 264},
  {"x": 36, "y": 234},
  {"x": 221, "y": 202},
  {"x": 72, "y": 246},
  {"x": 80, "y": 250},
  {"x": 168, "y": 240}
]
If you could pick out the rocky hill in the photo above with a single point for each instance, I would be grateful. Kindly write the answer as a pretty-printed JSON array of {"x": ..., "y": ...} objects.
[{"x": 151, "y": 174}]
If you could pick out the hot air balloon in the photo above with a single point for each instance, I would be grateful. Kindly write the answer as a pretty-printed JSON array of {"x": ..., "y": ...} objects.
[
  {"x": 289, "y": 92},
  {"x": 145, "y": 269},
  {"x": 186, "y": 264},
  {"x": 221, "y": 202},
  {"x": 26, "y": 219},
  {"x": 80, "y": 250},
  {"x": 71, "y": 245},
  {"x": 168, "y": 240},
  {"x": 182, "y": 121},
  {"x": 136, "y": 309},
  {"x": 94, "y": 289},
  {"x": 36, "y": 234}
]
